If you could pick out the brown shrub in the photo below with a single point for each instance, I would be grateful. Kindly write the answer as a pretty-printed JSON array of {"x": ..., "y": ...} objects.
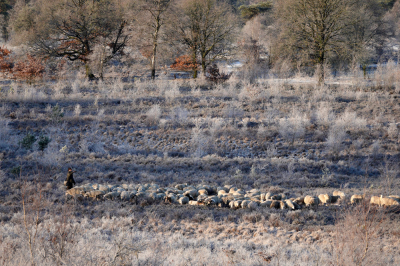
[
  {"x": 357, "y": 237},
  {"x": 184, "y": 63}
]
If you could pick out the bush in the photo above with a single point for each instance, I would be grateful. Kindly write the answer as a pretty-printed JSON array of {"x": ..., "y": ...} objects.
[
  {"x": 214, "y": 75},
  {"x": 293, "y": 128},
  {"x": 153, "y": 115},
  {"x": 28, "y": 141},
  {"x": 57, "y": 113},
  {"x": 357, "y": 237},
  {"x": 43, "y": 142},
  {"x": 28, "y": 70},
  {"x": 16, "y": 170},
  {"x": 184, "y": 63}
]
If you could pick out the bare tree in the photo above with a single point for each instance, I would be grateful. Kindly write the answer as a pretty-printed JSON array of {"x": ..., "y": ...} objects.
[
  {"x": 71, "y": 29},
  {"x": 392, "y": 17},
  {"x": 312, "y": 29},
  {"x": 366, "y": 32},
  {"x": 254, "y": 38},
  {"x": 313, "y": 33},
  {"x": 206, "y": 29},
  {"x": 5, "y": 7},
  {"x": 153, "y": 15}
]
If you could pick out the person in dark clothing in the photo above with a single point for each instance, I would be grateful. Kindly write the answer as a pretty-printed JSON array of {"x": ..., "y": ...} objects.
[{"x": 70, "y": 182}]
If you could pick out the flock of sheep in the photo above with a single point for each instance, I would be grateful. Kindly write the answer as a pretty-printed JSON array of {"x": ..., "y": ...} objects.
[{"x": 226, "y": 196}]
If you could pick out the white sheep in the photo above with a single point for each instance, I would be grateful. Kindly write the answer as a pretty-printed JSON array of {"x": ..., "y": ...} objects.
[
  {"x": 203, "y": 191},
  {"x": 252, "y": 205},
  {"x": 223, "y": 188},
  {"x": 340, "y": 194},
  {"x": 395, "y": 197},
  {"x": 324, "y": 198},
  {"x": 112, "y": 195},
  {"x": 191, "y": 193},
  {"x": 125, "y": 195},
  {"x": 202, "y": 198},
  {"x": 180, "y": 186},
  {"x": 96, "y": 194},
  {"x": 266, "y": 203},
  {"x": 212, "y": 200},
  {"x": 104, "y": 188},
  {"x": 388, "y": 202},
  {"x": 296, "y": 206},
  {"x": 311, "y": 201},
  {"x": 299, "y": 200},
  {"x": 228, "y": 187},
  {"x": 75, "y": 191},
  {"x": 183, "y": 200},
  {"x": 276, "y": 197},
  {"x": 160, "y": 196},
  {"x": 225, "y": 200},
  {"x": 290, "y": 204},
  {"x": 189, "y": 188},
  {"x": 245, "y": 203},
  {"x": 195, "y": 203},
  {"x": 237, "y": 204},
  {"x": 232, "y": 189},
  {"x": 152, "y": 195},
  {"x": 170, "y": 198},
  {"x": 262, "y": 197},
  {"x": 375, "y": 200},
  {"x": 222, "y": 192},
  {"x": 356, "y": 199},
  {"x": 275, "y": 204}
]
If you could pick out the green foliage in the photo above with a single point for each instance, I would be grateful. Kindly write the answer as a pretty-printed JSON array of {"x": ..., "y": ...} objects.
[
  {"x": 57, "y": 113},
  {"x": 16, "y": 170},
  {"x": 387, "y": 4},
  {"x": 251, "y": 11},
  {"x": 28, "y": 141},
  {"x": 43, "y": 142}
]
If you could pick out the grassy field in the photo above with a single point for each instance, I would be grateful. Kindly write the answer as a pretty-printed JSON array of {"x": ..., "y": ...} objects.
[{"x": 286, "y": 136}]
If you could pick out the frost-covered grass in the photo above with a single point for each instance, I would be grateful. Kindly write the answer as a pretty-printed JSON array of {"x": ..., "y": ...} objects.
[
  {"x": 284, "y": 135},
  {"x": 151, "y": 238}
]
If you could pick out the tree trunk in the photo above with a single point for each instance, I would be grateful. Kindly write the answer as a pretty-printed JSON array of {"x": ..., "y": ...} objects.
[
  {"x": 153, "y": 62},
  {"x": 89, "y": 73},
  {"x": 364, "y": 68},
  {"x": 194, "y": 62},
  {"x": 102, "y": 61},
  {"x": 4, "y": 32},
  {"x": 153, "y": 56},
  {"x": 321, "y": 75},
  {"x": 203, "y": 64},
  {"x": 321, "y": 62}
]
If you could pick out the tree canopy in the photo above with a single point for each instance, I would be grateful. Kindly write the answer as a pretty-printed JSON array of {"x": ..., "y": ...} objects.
[
  {"x": 307, "y": 34},
  {"x": 250, "y": 11},
  {"x": 72, "y": 28}
]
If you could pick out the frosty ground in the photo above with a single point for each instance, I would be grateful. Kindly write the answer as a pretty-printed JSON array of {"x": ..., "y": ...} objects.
[{"x": 285, "y": 136}]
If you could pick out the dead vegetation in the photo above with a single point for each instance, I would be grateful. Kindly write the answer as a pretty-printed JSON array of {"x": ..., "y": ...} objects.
[{"x": 284, "y": 138}]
